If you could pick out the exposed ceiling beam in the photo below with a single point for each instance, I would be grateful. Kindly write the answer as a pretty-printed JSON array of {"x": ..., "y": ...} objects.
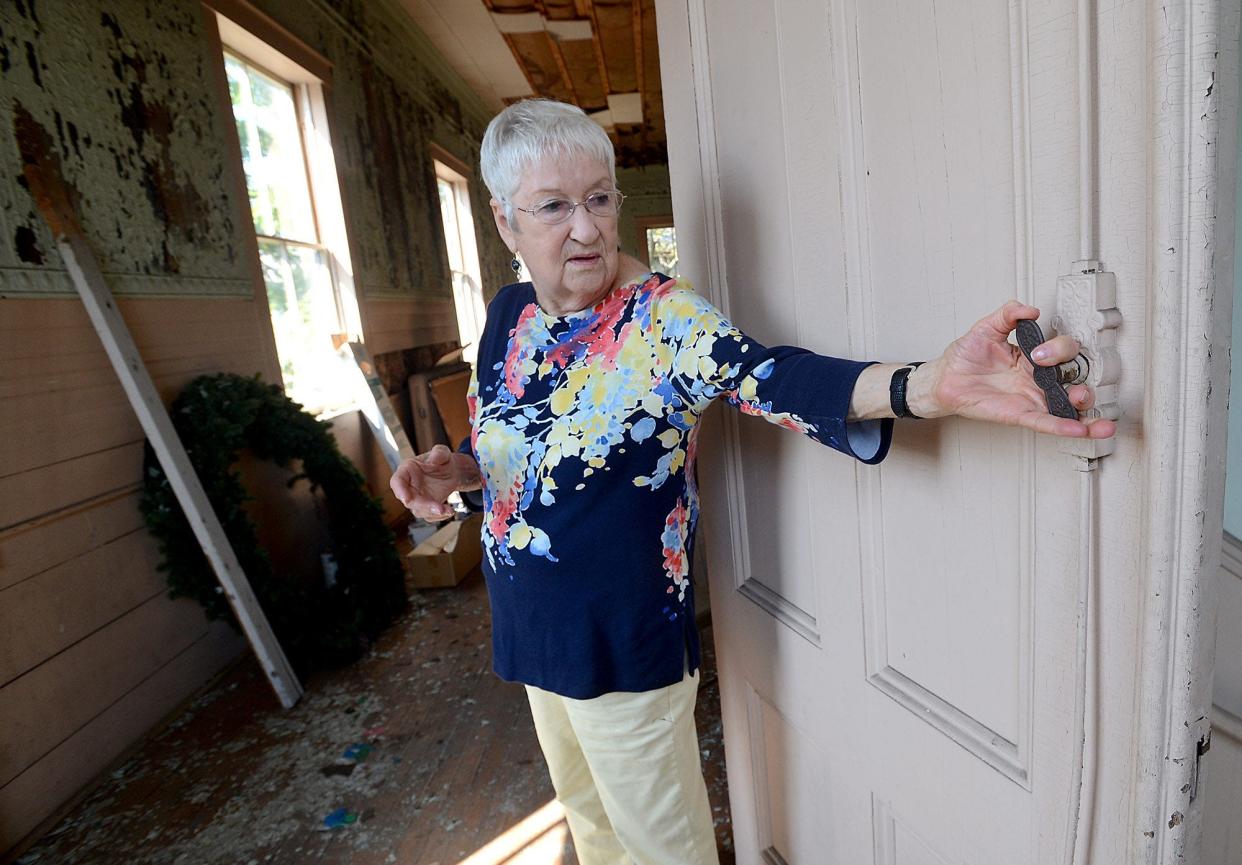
[
  {"x": 637, "y": 7},
  {"x": 466, "y": 36},
  {"x": 552, "y": 56},
  {"x": 517, "y": 55},
  {"x": 599, "y": 46},
  {"x": 555, "y": 45}
]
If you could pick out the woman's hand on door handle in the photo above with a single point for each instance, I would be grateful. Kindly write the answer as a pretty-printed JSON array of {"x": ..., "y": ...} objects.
[{"x": 981, "y": 375}]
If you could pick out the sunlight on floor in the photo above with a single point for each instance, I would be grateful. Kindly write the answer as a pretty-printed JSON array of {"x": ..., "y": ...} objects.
[{"x": 537, "y": 840}]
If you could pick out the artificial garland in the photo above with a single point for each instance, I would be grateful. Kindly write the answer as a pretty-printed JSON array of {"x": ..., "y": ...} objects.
[{"x": 219, "y": 415}]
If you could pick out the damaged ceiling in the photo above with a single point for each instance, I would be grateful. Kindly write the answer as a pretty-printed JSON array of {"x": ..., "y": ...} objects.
[{"x": 598, "y": 54}]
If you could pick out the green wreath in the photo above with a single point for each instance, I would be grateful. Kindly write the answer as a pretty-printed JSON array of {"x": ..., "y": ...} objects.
[{"x": 219, "y": 415}]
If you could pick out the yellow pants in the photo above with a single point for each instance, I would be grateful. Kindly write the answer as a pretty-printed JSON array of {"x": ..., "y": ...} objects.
[{"x": 626, "y": 769}]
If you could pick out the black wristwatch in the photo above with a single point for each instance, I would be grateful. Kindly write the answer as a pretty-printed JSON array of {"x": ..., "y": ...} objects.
[{"x": 897, "y": 391}]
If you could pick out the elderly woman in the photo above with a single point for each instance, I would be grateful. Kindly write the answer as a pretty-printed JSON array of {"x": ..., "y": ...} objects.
[{"x": 590, "y": 385}]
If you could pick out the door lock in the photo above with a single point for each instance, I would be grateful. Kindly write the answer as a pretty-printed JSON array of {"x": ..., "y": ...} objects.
[{"x": 1086, "y": 309}]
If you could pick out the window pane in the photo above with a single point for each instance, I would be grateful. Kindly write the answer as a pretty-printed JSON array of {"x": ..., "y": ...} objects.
[
  {"x": 662, "y": 250},
  {"x": 304, "y": 318},
  {"x": 463, "y": 259},
  {"x": 471, "y": 311},
  {"x": 272, "y": 156},
  {"x": 452, "y": 230}
]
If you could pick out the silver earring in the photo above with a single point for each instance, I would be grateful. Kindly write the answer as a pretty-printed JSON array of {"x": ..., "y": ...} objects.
[{"x": 516, "y": 265}]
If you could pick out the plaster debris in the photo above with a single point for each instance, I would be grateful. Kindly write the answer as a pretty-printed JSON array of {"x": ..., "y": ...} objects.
[
  {"x": 381, "y": 759},
  {"x": 358, "y": 752},
  {"x": 340, "y": 817}
]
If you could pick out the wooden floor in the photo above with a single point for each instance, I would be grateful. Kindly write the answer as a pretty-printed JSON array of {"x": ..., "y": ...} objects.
[{"x": 418, "y": 750}]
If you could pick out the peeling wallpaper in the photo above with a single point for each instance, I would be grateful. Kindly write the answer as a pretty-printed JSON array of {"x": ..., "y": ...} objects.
[
  {"x": 124, "y": 91},
  {"x": 119, "y": 95}
]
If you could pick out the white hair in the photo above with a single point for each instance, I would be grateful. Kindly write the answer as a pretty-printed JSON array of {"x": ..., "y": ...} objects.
[{"x": 532, "y": 129}]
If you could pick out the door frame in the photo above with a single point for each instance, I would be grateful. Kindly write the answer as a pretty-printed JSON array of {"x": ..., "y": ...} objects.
[{"x": 1190, "y": 298}]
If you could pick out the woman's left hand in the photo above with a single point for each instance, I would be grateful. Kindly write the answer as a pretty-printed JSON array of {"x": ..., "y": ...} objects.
[{"x": 982, "y": 376}]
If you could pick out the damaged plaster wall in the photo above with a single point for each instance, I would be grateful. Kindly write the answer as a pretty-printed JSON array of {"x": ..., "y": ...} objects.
[
  {"x": 121, "y": 97},
  {"x": 125, "y": 94},
  {"x": 92, "y": 652}
]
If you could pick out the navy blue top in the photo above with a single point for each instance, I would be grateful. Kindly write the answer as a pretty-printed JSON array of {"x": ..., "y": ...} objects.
[{"x": 584, "y": 428}]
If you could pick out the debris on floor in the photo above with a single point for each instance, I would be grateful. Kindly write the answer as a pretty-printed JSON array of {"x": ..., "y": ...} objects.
[
  {"x": 340, "y": 817},
  {"x": 416, "y": 754}
]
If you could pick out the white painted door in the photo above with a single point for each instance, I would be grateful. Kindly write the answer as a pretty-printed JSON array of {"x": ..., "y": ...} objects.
[{"x": 898, "y": 646}]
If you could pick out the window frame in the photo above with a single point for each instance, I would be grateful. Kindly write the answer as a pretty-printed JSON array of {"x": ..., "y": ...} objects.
[
  {"x": 238, "y": 29},
  {"x": 451, "y": 170}
]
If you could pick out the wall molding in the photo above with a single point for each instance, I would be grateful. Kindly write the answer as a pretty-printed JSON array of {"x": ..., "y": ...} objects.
[
  {"x": 473, "y": 106},
  {"x": 1008, "y": 758},
  {"x": 55, "y": 283},
  {"x": 388, "y": 293}
]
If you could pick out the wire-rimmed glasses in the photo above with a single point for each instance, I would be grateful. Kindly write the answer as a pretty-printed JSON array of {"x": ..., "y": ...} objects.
[{"x": 554, "y": 211}]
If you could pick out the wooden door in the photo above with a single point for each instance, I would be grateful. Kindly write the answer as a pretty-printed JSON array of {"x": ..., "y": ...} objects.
[{"x": 902, "y": 675}]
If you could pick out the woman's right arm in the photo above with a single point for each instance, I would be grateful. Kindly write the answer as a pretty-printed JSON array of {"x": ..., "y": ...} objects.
[{"x": 423, "y": 483}]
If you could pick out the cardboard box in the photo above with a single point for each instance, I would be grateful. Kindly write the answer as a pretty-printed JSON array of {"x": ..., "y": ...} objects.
[{"x": 444, "y": 559}]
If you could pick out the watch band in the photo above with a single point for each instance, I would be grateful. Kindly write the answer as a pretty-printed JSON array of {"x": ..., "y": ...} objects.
[{"x": 897, "y": 391}]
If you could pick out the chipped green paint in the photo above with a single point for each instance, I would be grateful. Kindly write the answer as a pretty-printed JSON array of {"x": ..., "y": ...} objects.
[
  {"x": 126, "y": 90},
  {"x": 122, "y": 96}
]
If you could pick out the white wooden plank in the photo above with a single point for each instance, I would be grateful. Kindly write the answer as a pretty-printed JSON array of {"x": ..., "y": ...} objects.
[{"x": 81, "y": 263}]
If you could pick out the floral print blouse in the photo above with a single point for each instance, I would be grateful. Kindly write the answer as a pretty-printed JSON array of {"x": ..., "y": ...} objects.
[{"x": 584, "y": 427}]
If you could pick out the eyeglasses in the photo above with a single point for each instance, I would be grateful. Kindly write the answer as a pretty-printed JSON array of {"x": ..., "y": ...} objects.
[{"x": 557, "y": 210}]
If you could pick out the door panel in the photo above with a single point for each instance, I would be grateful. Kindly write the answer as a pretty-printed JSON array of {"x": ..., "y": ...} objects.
[
  {"x": 779, "y": 575},
  {"x": 938, "y": 143},
  {"x": 948, "y": 589},
  {"x": 784, "y": 223},
  {"x": 896, "y": 843},
  {"x": 794, "y": 791}
]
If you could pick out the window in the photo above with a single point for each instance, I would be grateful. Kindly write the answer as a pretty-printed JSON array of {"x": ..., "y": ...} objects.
[
  {"x": 295, "y": 206},
  {"x": 662, "y": 250},
  {"x": 658, "y": 239},
  {"x": 463, "y": 255}
]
